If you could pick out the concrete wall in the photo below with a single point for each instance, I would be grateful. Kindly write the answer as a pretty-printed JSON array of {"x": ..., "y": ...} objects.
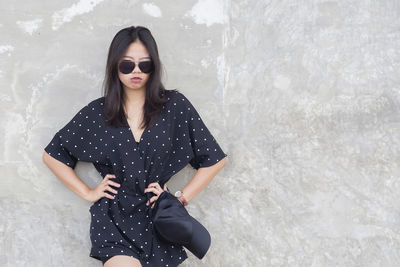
[{"x": 302, "y": 95}]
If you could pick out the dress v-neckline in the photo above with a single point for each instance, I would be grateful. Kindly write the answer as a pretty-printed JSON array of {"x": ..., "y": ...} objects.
[
  {"x": 133, "y": 136},
  {"x": 141, "y": 138}
]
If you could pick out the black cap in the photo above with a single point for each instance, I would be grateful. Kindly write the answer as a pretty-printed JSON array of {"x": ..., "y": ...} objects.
[{"x": 174, "y": 224}]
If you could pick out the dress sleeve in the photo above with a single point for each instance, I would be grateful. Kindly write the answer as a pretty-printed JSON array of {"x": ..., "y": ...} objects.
[
  {"x": 205, "y": 148},
  {"x": 76, "y": 140}
]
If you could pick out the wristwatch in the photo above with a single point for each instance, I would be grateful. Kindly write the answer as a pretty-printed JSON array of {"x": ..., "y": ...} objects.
[{"x": 179, "y": 195}]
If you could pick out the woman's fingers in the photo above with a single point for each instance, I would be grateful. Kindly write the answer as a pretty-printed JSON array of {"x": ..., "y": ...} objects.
[
  {"x": 107, "y": 187},
  {"x": 109, "y": 176},
  {"x": 108, "y": 181},
  {"x": 113, "y": 183},
  {"x": 108, "y": 195},
  {"x": 152, "y": 189},
  {"x": 155, "y": 184},
  {"x": 111, "y": 190},
  {"x": 100, "y": 190},
  {"x": 156, "y": 189},
  {"x": 153, "y": 199},
  {"x": 152, "y": 206}
]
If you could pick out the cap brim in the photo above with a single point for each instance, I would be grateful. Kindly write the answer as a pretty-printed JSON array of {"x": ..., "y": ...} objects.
[{"x": 201, "y": 239}]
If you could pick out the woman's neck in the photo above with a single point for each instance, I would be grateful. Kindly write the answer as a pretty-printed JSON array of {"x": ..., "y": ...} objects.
[{"x": 134, "y": 99}]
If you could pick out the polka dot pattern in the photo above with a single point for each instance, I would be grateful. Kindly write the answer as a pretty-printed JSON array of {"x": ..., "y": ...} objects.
[{"x": 124, "y": 226}]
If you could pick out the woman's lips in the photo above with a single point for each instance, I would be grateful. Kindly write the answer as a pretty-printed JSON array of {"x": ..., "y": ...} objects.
[{"x": 136, "y": 80}]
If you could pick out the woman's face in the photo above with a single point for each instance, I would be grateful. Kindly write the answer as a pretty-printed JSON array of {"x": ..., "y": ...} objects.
[{"x": 136, "y": 79}]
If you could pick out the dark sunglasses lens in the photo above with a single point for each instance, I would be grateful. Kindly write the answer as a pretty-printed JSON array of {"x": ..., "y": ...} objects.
[
  {"x": 126, "y": 66},
  {"x": 146, "y": 66}
]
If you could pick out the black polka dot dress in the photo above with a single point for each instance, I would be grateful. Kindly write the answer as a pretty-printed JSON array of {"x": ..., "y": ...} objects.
[{"x": 123, "y": 225}]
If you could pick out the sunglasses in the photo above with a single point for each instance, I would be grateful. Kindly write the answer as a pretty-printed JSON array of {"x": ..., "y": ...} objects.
[{"x": 127, "y": 66}]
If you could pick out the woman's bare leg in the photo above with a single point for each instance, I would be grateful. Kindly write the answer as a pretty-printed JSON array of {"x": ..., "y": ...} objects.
[{"x": 122, "y": 261}]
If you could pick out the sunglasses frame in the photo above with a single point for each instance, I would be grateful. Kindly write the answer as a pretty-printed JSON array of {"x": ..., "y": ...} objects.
[{"x": 134, "y": 66}]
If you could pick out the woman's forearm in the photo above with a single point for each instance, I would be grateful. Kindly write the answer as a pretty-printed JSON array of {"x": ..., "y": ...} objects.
[
  {"x": 66, "y": 175},
  {"x": 201, "y": 179}
]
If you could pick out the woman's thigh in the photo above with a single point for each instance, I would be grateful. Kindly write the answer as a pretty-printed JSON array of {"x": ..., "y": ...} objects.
[{"x": 122, "y": 261}]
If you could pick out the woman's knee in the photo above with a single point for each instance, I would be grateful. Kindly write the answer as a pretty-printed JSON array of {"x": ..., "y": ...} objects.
[{"x": 122, "y": 261}]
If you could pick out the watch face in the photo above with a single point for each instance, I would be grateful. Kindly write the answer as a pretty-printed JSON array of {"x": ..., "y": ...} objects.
[{"x": 178, "y": 193}]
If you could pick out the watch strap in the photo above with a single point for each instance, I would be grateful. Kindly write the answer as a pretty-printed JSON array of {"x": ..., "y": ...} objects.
[{"x": 182, "y": 199}]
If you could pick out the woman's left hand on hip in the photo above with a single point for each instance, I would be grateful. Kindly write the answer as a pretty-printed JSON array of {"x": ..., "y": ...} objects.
[{"x": 156, "y": 189}]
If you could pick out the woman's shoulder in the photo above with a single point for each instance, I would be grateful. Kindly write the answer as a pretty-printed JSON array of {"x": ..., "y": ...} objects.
[
  {"x": 177, "y": 98},
  {"x": 171, "y": 93},
  {"x": 96, "y": 102},
  {"x": 93, "y": 108}
]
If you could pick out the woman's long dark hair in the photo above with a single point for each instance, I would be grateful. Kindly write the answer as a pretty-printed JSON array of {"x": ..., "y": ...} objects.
[{"x": 113, "y": 90}]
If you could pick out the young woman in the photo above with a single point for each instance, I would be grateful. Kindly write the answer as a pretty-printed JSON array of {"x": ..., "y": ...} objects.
[{"x": 138, "y": 135}]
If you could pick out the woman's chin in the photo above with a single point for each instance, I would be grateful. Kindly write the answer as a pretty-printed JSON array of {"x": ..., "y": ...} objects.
[{"x": 135, "y": 87}]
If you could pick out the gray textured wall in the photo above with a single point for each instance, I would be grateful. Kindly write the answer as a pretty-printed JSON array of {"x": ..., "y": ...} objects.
[{"x": 302, "y": 95}]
